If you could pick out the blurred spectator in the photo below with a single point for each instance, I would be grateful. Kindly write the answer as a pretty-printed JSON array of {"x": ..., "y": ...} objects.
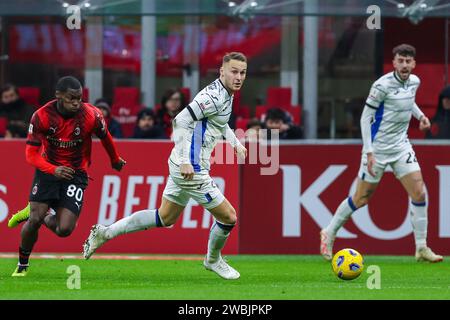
[
  {"x": 277, "y": 119},
  {"x": 14, "y": 109},
  {"x": 172, "y": 102},
  {"x": 146, "y": 127},
  {"x": 15, "y": 131},
  {"x": 113, "y": 125},
  {"x": 440, "y": 124},
  {"x": 253, "y": 128}
]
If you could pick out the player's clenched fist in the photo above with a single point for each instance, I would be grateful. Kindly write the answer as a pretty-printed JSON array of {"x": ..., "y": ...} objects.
[
  {"x": 424, "y": 123},
  {"x": 63, "y": 172},
  {"x": 119, "y": 164},
  {"x": 187, "y": 171},
  {"x": 241, "y": 151}
]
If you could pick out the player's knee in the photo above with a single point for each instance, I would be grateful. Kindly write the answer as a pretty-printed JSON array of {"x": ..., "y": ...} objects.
[
  {"x": 230, "y": 217},
  {"x": 418, "y": 195},
  {"x": 64, "y": 231},
  {"x": 168, "y": 220},
  {"x": 35, "y": 221},
  {"x": 360, "y": 202}
]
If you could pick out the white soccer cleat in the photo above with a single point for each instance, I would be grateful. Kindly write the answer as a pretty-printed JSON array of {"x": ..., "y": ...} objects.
[
  {"x": 326, "y": 245},
  {"x": 222, "y": 268},
  {"x": 425, "y": 254},
  {"x": 95, "y": 240}
]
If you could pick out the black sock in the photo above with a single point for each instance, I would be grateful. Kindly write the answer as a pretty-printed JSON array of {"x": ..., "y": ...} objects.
[{"x": 24, "y": 255}]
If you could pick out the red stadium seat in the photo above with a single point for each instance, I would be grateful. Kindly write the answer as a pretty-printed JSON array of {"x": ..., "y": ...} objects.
[
  {"x": 260, "y": 112},
  {"x": 31, "y": 95},
  {"x": 126, "y": 96},
  {"x": 295, "y": 113},
  {"x": 187, "y": 94},
  {"x": 125, "y": 108},
  {"x": 431, "y": 84},
  {"x": 242, "y": 123},
  {"x": 279, "y": 97},
  {"x": 240, "y": 110}
]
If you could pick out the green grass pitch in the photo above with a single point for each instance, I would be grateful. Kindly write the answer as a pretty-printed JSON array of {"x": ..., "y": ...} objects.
[{"x": 262, "y": 277}]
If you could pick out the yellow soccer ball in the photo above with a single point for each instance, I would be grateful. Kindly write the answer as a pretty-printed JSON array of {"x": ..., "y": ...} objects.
[{"x": 347, "y": 264}]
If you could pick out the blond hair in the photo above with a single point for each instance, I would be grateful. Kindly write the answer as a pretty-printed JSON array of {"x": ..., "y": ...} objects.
[{"x": 234, "y": 56}]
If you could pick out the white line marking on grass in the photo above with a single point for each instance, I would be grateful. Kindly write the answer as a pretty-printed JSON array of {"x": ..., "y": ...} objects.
[{"x": 106, "y": 256}]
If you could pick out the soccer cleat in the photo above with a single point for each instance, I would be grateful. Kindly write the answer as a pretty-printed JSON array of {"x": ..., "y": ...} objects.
[
  {"x": 19, "y": 217},
  {"x": 222, "y": 268},
  {"x": 326, "y": 245},
  {"x": 21, "y": 271},
  {"x": 425, "y": 254},
  {"x": 95, "y": 240}
]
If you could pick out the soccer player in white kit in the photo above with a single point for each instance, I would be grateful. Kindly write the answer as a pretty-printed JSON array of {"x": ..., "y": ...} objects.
[
  {"x": 384, "y": 125},
  {"x": 196, "y": 131}
]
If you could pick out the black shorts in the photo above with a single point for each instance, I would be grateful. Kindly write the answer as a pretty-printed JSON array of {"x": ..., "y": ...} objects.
[{"x": 58, "y": 193}]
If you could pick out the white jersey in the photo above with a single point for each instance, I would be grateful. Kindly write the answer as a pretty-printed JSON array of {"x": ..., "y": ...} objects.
[
  {"x": 211, "y": 111},
  {"x": 394, "y": 102}
]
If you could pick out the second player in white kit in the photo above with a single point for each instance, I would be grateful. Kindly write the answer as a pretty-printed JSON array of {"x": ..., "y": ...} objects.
[
  {"x": 384, "y": 126},
  {"x": 196, "y": 131}
]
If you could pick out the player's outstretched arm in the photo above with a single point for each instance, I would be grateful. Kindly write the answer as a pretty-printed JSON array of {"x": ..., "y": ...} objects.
[
  {"x": 108, "y": 143},
  {"x": 101, "y": 130},
  {"x": 419, "y": 115}
]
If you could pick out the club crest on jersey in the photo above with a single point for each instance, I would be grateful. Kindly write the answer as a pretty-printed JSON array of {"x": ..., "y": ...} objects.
[
  {"x": 77, "y": 131},
  {"x": 35, "y": 189}
]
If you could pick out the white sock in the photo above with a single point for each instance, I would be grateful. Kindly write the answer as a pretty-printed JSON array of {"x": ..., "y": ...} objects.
[
  {"x": 140, "y": 220},
  {"x": 343, "y": 212},
  {"x": 218, "y": 235},
  {"x": 419, "y": 220}
]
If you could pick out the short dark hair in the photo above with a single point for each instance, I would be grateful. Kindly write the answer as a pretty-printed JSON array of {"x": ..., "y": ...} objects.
[
  {"x": 276, "y": 114},
  {"x": 405, "y": 50},
  {"x": 146, "y": 112},
  {"x": 9, "y": 86},
  {"x": 66, "y": 83},
  {"x": 234, "y": 56}
]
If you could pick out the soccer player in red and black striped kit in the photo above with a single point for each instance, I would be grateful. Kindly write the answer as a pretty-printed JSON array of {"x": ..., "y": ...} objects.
[{"x": 59, "y": 146}]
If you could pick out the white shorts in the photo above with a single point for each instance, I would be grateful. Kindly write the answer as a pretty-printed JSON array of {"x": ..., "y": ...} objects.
[
  {"x": 401, "y": 164},
  {"x": 202, "y": 189}
]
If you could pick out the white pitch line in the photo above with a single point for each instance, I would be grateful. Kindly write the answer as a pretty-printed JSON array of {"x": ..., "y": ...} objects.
[{"x": 106, "y": 256}]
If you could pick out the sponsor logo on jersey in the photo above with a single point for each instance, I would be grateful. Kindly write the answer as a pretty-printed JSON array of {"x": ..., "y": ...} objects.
[
  {"x": 35, "y": 189},
  {"x": 64, "y": 144}
]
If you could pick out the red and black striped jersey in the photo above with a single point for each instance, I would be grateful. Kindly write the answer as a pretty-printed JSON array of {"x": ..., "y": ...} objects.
[{"x": 66, "y": 141}]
